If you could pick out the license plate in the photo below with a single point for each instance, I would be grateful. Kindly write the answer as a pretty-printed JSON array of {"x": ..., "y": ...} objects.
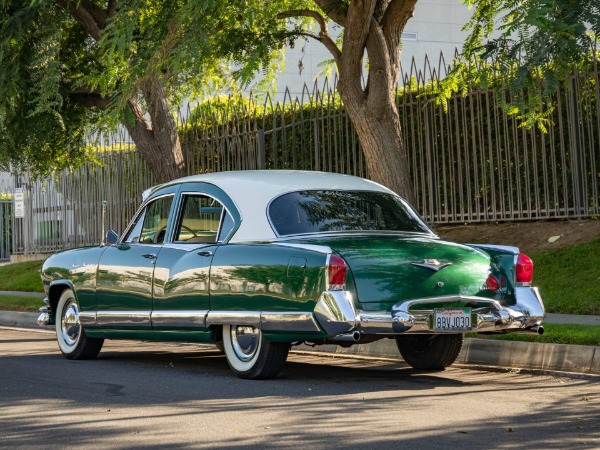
[{"x": 452, "y": 319}]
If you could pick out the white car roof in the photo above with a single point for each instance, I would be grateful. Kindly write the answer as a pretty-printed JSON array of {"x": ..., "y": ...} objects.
[{"x": 253, "y": 190}]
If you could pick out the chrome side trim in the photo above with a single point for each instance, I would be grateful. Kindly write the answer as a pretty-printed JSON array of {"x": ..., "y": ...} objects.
[
  {"x": 123, "y": 318},
  {"x": 251, "y": 318},
  {"x": 288, "y": 321},
  {"x": 87, "y": 318},
  {"x": 182, "y": 319},
  {"x": 301, "y": 322},
  {"x": 335, "y": 312},
  {"x": 315, "y": 248},
  {"x": 501, "y": 248}
]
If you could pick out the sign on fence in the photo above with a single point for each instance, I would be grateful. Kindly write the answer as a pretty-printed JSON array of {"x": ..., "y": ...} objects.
[{"x": 19, "y": 203}]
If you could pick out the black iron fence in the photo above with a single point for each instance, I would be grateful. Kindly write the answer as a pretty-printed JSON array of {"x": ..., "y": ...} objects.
[{"x": 471, "y": 163}]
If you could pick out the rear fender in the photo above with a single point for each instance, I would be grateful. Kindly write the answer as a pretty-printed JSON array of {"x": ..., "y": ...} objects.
[{"x": 504, "y": 259}]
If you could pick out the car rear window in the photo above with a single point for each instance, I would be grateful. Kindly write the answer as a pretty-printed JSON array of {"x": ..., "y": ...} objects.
[{"x": 317, "y": 211}]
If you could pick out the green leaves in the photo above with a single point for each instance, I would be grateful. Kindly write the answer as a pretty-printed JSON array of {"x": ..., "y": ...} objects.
[
  {"x": 538, "y": 43},
  {"x": 59, "y": 79}
]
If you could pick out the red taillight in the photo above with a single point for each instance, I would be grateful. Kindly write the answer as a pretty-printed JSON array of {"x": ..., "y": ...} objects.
[
  {"x": 336, "y": 270},
  {"x": 492, "y": 284},
  {"x": 524, "y": 269}
]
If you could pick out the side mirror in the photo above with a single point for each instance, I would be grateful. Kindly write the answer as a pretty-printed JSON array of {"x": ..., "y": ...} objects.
[{"x": 112, "y": 237}]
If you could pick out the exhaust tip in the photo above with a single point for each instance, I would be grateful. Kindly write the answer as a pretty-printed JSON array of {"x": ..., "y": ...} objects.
[{"x": 540, "y": 330}]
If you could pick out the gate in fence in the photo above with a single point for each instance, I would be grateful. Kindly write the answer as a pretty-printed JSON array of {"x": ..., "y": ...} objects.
[{"x": 6, "y": 217}]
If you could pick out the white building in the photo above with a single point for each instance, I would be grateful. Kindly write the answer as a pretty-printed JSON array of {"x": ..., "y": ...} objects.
[{"x": 435, "y": 27}]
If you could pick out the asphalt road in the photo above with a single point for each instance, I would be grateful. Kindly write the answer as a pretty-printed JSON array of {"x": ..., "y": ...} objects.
[{"x": 149, "y": 395}]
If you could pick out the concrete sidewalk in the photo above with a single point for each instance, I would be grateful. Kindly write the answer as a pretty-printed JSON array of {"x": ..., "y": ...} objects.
[{"x": 481, "y": 352}]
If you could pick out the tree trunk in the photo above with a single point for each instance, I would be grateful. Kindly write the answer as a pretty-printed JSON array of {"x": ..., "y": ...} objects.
[
  {"x": 377, "y": 123},
  {"x": 158, "y": 141},
  {"x": 372, "y": 28},
  {"x": 382, "y": 146}
]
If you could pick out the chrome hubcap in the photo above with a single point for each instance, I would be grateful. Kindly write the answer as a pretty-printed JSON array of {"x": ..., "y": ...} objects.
[
  {"x": 70, "y": 323},
  {"x": 245, "y": 341}
]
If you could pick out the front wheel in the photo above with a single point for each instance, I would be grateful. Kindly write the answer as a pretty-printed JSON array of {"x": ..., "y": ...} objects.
[
  {"x": 72, "y": 340},
  {"x": 430, "y": 352},
  {"x": 250, "y": 355}
]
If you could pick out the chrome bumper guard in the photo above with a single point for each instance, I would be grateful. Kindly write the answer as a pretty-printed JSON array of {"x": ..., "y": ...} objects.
[
  {"x": 44, "y": 319},
  {"x": 336, "y": 314}
]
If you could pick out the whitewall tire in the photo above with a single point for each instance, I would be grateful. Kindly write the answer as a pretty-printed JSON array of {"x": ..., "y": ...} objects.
[
  {"x": 250, "y": 355},
  {"x": 72, "y": 340}
]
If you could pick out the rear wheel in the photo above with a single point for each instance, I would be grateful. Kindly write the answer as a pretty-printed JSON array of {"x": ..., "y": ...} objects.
[
  {"x": 430, "y": 352},
  {"x": 250, "y": 355},
  {"x": 72, "y": 340}
]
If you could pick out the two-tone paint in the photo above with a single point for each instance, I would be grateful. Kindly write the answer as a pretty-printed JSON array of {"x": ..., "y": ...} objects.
[{"x": 186, "y": 292}]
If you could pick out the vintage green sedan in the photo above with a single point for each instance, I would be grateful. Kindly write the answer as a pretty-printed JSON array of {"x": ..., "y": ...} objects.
[{"x": 258, "y": 261}]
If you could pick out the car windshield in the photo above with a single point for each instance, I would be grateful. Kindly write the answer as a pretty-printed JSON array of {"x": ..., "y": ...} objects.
[{"x": 325, "y": 211}]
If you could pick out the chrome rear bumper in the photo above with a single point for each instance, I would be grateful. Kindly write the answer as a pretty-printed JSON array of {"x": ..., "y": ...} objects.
[{"x": 336, "y": 314}]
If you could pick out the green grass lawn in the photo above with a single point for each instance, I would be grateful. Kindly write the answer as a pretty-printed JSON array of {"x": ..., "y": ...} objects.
[
  {"x": 24, "y": 277},
  {"x": 9, "y": 303},
  {"x": 569, "y": 278},
  {"x": 554, "y": 333}
]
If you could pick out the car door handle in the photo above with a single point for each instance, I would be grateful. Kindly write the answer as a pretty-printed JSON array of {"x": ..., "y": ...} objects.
[
  {"x": 205, "y": 253},
  {"x": 149, "y": 255}
]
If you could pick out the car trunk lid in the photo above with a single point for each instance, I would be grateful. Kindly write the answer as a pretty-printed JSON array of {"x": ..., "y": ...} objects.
[{"x": 391, "y": 268}]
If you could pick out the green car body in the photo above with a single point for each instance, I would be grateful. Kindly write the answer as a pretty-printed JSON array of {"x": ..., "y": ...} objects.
[{"x": 239, "y": 258}]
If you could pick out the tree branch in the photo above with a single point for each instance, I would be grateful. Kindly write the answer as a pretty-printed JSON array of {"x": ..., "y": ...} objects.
[
  {"x": 139, "y": 128},
  {"x": 393, "y": 22},
  {"x": 382, "y": 76},
  {"x": 358, "y": 22},
  {"x": 336, "y": 10},
  {"x": 89, "y": 98},
  {"x": 323, "y": 35},
  {"x": 98, "y": 14},
  {"x": 396, "y": 15},
  {"x": 83, "y": 17},
  {"x": 111, "y": 8}
]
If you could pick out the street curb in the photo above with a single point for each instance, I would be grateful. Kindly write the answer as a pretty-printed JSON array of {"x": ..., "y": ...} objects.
[
  {"x": 487, "y": 352},
  {"x": 478, "y": 352},
  {"x": 19, "y": 319}
]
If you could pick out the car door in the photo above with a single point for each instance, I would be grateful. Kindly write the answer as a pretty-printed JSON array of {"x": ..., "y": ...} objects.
[
  {"x": 181, "y": 278},
  {"x": 126, "y": 270}
]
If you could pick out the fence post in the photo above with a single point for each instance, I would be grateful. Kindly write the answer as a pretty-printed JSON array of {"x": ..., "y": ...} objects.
[
  {"x": 576, "y": 153},
  {"x": 260, "y": 138}
]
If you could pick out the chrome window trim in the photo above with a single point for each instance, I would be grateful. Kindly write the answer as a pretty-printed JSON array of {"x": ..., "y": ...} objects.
[
  {"x": 225, "y": 209},
  {"x": 409, "y": 208},
  {"x": 141, "y": 210}
]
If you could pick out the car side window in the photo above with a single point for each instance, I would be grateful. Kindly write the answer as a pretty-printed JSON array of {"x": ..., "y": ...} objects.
[
  {"x": 134, "y": 235},
  {"x": 201, "y": 219},
  {"x": 151, "y": 225}
]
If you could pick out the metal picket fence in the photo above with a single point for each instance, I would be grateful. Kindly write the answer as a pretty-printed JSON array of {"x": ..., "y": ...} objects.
[{"x": 473, "y": 163}]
